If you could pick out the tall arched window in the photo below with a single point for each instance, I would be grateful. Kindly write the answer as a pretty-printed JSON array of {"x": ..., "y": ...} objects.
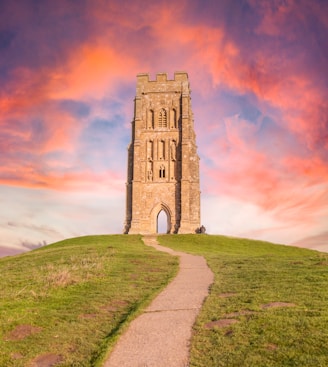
[
  {"x": 173, "y": 118},
  {"x": 161, "y": 149},
  {"x": 162, "y": 118},
  {"x": 150, "y": 150},
  {"x": 150, "y": 119}
]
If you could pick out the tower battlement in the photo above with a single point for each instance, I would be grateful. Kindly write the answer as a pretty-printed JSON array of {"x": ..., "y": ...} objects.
[
  {"x": 179, "y": 85},
  {"x": 162, "y": 77}
]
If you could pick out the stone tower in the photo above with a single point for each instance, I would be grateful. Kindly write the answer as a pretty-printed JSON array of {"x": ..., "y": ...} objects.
[{"x": 163, "y": 165}]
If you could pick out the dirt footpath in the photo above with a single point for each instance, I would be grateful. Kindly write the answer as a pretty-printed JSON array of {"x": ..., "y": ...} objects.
[{"x": 160, "y": 336}]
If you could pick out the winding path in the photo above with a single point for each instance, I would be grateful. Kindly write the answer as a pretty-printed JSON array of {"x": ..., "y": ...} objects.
[{"x": 160, "y": 336}]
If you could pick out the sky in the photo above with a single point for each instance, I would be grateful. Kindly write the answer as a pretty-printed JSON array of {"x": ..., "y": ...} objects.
[{"x": 258, "y": 75}]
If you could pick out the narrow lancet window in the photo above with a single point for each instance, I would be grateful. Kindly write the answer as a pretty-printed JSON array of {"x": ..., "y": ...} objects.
[
  {"x": 161, "y": 149},
  {"x": 150, "y": 119},
  {"x": 173, "y": 118},
  {"x": 162, "y": 172},
  {"x": 150, "y": 150}
]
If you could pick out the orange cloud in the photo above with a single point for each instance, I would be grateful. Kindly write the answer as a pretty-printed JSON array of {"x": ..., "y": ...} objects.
[
  {"x": 33, "y": 123},
  {"x": 313, "y": 169},
  {"x": 120, "y": 47},
  {"x": 90, "y": 72},
  {"x": 292, "y": 188},
  {"x": 33, "y": 177}
]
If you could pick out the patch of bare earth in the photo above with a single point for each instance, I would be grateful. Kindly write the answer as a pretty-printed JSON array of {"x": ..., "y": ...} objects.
[
  {"x": 277, "y": 304},
  {"x": 322, "y": 263},
  {"x": 46, "y": 360},
  {"x": 22, "y": 331},
  {"x": 271, "y": 347},
  {"x": 220, "y": 323},
  {"x": 17, "y": 355}
]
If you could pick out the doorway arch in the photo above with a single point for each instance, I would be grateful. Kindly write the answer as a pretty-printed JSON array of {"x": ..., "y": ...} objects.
[
  {"x": 161, "y": 223},
  {"x": 159, "y": 212}
]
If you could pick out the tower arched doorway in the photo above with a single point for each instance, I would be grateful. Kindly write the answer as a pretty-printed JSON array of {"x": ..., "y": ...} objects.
[
  {"x": 161, "y": 219},
  {"x": 162, "y": 222}
]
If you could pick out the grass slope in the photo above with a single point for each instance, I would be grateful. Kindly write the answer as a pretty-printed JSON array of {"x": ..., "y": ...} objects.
[
  {"x": 267, "y": 306},
  {"x": 67, "y": 303}
]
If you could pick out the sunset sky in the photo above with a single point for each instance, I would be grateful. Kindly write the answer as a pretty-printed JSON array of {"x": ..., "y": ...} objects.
[{"x": 259, "y": 80}]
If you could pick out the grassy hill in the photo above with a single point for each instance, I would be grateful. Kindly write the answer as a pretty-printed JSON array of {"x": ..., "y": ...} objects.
[
  {"x": 267, "y": 306},
  {"x": 67, "y": 303}
]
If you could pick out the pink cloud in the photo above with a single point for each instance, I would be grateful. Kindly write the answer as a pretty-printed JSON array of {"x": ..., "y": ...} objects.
[
  {"x": 290, "y": 187},
  {"x": 33, "y": 124},
  {"x": 33, "y": 177},
  {"x": 268, "y": 56},
  {"x": 318, "y": 242},
  {"x": 92, "y": 71}
]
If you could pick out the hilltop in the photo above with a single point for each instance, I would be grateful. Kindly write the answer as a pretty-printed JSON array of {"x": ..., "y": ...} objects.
[{"x": 67, "y": 303}]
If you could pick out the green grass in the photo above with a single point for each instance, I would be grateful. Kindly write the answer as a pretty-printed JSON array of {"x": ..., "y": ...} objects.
[
  {"x": 78, "y": 295},
  {"x": 251, "y": 274}
]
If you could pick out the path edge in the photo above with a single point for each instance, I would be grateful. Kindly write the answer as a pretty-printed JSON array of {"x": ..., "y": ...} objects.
[{"x": 141, "y": 310}]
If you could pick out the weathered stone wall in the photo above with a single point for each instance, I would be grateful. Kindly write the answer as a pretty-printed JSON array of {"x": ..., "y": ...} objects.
[{"x": 163, "y": 165}]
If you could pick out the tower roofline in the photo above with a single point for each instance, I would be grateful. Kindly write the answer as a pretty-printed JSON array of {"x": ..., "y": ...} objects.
[{"x": 162, "y": 77}]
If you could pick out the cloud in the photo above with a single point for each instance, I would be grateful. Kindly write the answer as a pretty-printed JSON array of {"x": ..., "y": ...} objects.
[
  {"x": 9, "y": 251},
  {"x": 38, "y": 215},
  {"x": 276, "y": 159},
  {"x": 91, "y": 72},
  {"x": 257, "y": 72},
  {"x": 41, "y": 121},
  {"x": 318, "y": 242},
  {"x": 33, "y": 178},
  {"x": 291, "y": 188},
  {"x": 31, "y": 246},
  {"x": 46, "y": 230}
]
